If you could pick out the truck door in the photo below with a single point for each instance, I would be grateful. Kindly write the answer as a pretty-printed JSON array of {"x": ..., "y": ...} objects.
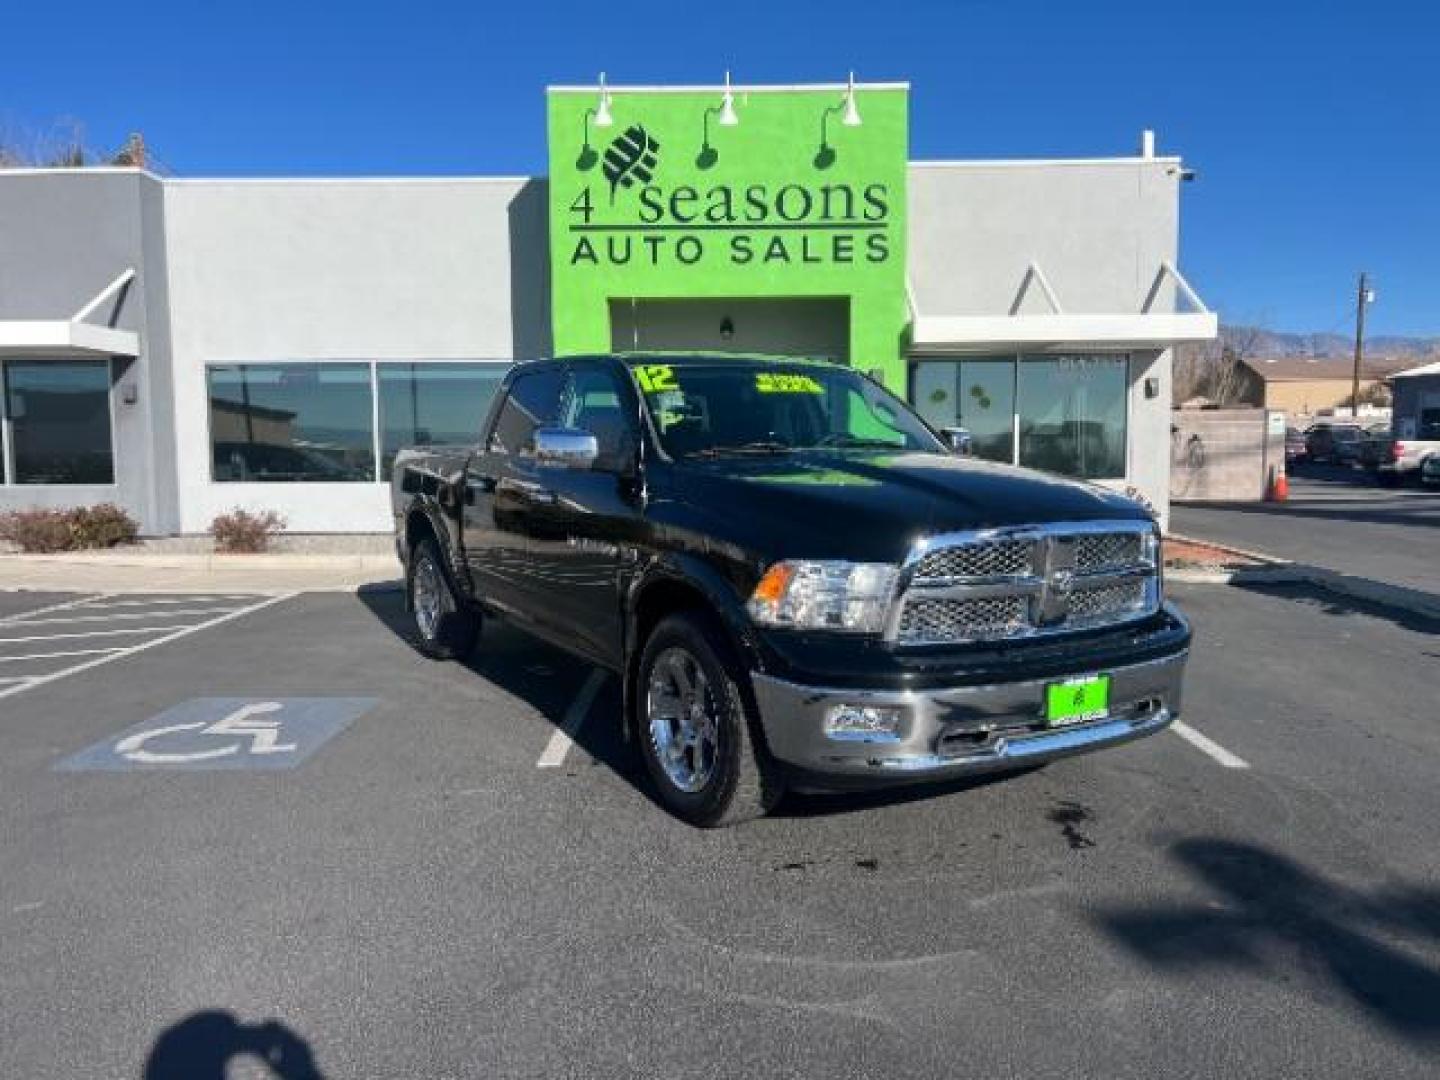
[
  {"x": 501, "y": 489},
  {"x": 590, "y": 517}
]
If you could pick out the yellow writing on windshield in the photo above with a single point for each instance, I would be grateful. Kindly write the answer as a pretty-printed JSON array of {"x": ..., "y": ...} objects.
[
  {"x": 654, "y": 378},
  {"x": 769, "y": 382}
]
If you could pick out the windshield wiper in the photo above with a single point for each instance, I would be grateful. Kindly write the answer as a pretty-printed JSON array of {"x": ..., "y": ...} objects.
[
  {"x": 761, "y": 446},
  {"x": 857, "y": 442}
]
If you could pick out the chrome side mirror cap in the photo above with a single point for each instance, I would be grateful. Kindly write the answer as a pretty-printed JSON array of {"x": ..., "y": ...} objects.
[
  {"x": 960, "y": 440},
  {"x": 566, "y": 448}
]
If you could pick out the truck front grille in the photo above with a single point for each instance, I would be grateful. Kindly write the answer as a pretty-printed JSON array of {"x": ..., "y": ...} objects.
[{"x": 1026, "y": 582}]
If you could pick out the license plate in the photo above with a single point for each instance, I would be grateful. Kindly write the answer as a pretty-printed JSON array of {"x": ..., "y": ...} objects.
[{"x": 1076, "y": 701}]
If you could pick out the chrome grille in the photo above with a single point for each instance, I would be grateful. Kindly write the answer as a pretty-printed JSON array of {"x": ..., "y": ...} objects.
[
  {"x": 1104, "y": 602},
  {"x": 1025, "y": 582},
  {"x": 993, "y": 617},
  {"x": 1107, "y": 551},
  {"x": 984, "y": 559}
]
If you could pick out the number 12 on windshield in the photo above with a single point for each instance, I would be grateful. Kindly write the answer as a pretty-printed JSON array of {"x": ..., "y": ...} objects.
[{"x": 653, "y": 378}]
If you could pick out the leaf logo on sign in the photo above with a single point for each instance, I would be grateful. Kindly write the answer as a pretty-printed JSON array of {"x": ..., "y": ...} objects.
[{"x": 630, "y": 157}]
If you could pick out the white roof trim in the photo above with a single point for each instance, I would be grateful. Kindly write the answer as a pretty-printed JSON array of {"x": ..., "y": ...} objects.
[
  {"x": 62, "y": 337},
  {"x": 1423, "y": 369},
  {"x": 963, "y": 333}
]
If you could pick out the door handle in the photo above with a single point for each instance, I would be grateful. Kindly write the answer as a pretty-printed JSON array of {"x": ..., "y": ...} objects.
[{"x": 528, "y": 490}]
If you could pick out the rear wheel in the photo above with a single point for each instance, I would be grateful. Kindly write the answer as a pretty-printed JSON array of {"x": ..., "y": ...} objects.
[
  {"x": 445, "y": 628},
  {"x": 697, "y": 733}
]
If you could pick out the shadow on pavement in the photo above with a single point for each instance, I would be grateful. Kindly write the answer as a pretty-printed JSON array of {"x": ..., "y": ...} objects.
[
  {"x": 1272, "y": 917},
  {"x": 1327, "y": 602},
  {"x": 206, "y": 1044},
  {"x": 1407, "y": 513},
  {"x": 548, "y": 680}
]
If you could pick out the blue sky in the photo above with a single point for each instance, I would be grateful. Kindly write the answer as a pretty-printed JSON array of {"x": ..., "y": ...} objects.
[{"x": 1315, "y": 127}]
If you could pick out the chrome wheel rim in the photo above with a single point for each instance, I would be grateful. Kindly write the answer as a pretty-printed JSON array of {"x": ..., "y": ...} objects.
[
  {"x": 681, "y": 713},
  {"x": 427, "y": 598}
]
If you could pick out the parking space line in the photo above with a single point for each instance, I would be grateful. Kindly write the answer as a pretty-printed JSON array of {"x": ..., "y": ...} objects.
[
  {"x": 120, "y": 654},
  {"x": 111, "y": 602},
  {"x": 120, "y": 615},
  {"x": 20, "y": 615},
  {"x": 1208, "y": 746},
  {"x": 53, "y": 655},
  {"x": 89, "y": 633},
  {"x": 564, "y": 737}
]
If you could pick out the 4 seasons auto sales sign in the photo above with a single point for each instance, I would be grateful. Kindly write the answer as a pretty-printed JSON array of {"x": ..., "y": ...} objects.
[{"x": 666, "y": 201}]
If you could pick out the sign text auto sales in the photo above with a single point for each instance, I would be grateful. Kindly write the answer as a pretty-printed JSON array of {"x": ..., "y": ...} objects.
[{"x": 752, "y": 225}]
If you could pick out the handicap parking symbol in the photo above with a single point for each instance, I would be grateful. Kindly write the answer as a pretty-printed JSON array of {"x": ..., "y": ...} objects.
[{"x": 224, "y": 733}]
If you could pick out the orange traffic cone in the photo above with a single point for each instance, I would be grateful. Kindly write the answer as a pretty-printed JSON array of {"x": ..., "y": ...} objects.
[{"x": 1279, "y": 488}]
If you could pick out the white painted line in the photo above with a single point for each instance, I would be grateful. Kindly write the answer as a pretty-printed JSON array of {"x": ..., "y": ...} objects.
[
  {"x": 123, "y": 615},
  {"x": 41, "y": 680},
  {"x": 564, "y": 737},
  {"x": 1208, "y": 746},
  {"x": 19, "y": 615},
  {"x": 92, "y": 633},
  {"x": 148, "y": 602},
  {"x": 52, "y": 655},
  {"x": 15, "y": 678}
]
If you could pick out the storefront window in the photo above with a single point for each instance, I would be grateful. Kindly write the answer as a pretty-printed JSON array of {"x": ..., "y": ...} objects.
[
  {"x": 292, "y": 422},
  {"x": 977, "y": 394},
  {"x": 433, "y": 403},
  {"x": 59, "y": 416},
  {"x": 1072, "y": 414}
]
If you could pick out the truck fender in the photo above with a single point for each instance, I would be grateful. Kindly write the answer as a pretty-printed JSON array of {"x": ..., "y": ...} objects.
[
  {"x": 694, "y": 576},
  {"x": 428, "y": 508}
]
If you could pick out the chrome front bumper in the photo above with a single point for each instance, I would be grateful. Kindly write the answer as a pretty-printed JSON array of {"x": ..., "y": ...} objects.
[{"x": 960, "y": 730}]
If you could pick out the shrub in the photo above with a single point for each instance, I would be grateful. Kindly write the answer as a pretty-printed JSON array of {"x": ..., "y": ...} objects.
[
  {"x": 47, "y": 531},
  {"x": 102, "y": 526},
  {"x": 241, "y": 532}
]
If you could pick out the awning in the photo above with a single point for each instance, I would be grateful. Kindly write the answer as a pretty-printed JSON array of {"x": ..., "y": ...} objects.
[
  {"x": 1057, "y": 330},
  {"x": 73, "y": 336}
]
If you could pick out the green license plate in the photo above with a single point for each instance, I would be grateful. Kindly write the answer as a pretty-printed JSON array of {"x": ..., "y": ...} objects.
[{"x": 1076, "y": 701}]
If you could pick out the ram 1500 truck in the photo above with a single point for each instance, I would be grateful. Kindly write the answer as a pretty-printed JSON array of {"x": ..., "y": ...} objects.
[{"x": 797, "y": 581}]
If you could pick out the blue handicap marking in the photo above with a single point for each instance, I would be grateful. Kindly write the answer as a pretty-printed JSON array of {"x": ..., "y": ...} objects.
[{"x": 224, "y": 733}]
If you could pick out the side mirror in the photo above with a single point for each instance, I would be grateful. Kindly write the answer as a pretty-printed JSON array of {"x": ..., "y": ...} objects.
[
  {"x": 566, "y": 448},
  {"x": 960, "y": 440}
]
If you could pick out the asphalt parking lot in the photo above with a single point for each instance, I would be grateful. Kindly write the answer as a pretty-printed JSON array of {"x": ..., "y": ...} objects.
[
  {"x": 1336, "y": 517},
  {"x": 287, "y": 834}
]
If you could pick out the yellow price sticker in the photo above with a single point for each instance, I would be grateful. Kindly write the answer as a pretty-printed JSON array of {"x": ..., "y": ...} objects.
[
  {"x": 656, "y": 378},
  {"x": 771, "y": 383}
]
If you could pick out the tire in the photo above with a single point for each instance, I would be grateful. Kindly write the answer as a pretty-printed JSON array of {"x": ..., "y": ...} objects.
[
  {"x": 445, "y": 628},
  {"x": 741, "y": 782}
]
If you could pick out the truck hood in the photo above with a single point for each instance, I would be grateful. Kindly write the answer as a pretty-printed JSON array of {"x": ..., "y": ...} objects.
[{"x": 869, "y": 506}]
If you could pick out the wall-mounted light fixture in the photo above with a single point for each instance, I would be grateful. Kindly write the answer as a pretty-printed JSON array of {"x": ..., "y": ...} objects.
[
  {"x": 727, "y": 328},
  {"x": 725, "y": 116},
  {"x": 849, "y": 112},
  {"x": 600, "y": 116}
]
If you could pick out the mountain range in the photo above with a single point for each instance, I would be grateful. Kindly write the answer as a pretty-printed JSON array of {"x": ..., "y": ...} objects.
[{"x": 1257, "y": 341}]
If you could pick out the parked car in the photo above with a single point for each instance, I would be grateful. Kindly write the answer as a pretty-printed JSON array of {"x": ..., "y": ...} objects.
[
  {"x": 794, "y": 577},
  {"x": 1374, "y": 446},
  {"x": 1332, "y": 442},
  {"x": 1295, "y": 449},
  {"x": 1406, "y": 456}
]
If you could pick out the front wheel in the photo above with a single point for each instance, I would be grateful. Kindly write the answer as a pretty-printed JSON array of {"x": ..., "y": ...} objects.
[
  {"x": 446, "y": 629},
  {"x": 697, "y": 733}
]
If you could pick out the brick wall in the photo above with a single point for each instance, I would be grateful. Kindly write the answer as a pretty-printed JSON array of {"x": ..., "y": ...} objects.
[{"x": 1222, "y": 455}]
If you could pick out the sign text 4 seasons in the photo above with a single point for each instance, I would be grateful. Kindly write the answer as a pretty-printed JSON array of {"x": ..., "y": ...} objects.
[{"x": 742, "y": 225}]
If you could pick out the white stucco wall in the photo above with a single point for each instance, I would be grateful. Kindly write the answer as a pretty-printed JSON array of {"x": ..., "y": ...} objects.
[{"x": 265, "y": 271}]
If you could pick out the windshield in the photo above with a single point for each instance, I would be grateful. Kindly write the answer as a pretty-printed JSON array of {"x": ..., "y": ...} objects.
[{"x": 740, "y": 407}]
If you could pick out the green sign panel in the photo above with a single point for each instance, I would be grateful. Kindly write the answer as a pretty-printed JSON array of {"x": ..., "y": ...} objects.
[{"x": 670, "y": 200}]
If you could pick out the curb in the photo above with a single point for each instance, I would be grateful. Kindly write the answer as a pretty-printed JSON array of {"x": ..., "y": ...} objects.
[{"x": 362, "y": 563}]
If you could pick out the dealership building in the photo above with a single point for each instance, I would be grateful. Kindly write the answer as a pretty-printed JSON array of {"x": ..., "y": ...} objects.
[{"x": 183, "y": 346}]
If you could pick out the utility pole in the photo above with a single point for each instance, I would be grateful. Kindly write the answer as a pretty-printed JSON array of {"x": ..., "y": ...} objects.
[{"x": 1362, "y": 297}]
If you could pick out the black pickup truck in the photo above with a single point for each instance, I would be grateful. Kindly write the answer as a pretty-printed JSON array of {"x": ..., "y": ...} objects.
[{"x": 797, "y": 580}]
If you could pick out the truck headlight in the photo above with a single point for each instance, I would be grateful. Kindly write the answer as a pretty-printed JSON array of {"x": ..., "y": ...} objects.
[{"x": 824, "y": 595}]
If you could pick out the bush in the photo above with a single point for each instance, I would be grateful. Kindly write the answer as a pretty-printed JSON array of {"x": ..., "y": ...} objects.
[
  {"x": 48, "y": 531},
  {"x": 241, "y": 532},
  {"x": 102, "y": 526}
]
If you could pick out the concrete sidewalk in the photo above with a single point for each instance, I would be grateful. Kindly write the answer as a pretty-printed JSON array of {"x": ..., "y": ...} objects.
[{"x": 139, "y": 571}]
